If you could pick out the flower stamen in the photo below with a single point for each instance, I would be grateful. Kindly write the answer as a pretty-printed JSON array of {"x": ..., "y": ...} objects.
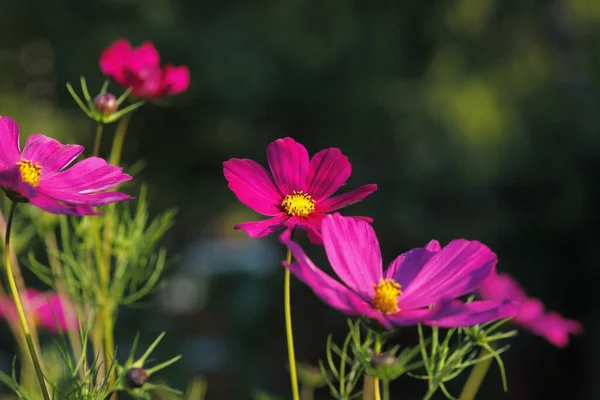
[
  {"x": 386, "y": 296},
  {"x": 30, "y": 172},
  {"x": 298, "y": 204}
]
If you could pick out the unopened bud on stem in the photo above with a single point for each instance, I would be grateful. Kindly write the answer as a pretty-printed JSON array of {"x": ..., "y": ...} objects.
[
  {"x": 106, "y": 103},
  {"x": 137, "y": 377},
  {"x": 382, "y": 360}
]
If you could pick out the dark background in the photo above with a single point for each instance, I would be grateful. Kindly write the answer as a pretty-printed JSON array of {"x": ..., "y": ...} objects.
[{"x": 476, "y": 118}]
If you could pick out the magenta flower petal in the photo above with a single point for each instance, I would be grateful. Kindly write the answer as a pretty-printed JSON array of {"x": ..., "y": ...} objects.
[
  {"x": 138, "y": 69},
  {"x": 262, "y": 228},
  {"x": 412, "y": 317},
  {"x": 433, "y": 245},
  {"x": 298, "y": 186},
  {"x": 529, "y": 310},
  {"x": 4, "y": 308},
  {"x": 55, "y": 207},
  {"x": 556, "y": 329},
  {"x": 48, "y": 309},
  {"x": 353, "y": 252},
  {"x": 501, "y": 286},
  {"x": 144, "y": 56},
  {"x": 176, "y": 79},
  {"x": 312, "y": 225},
  {"x": 49, "y": 153},
  {"x": 329, "y": 169},
  {"x": 458, "y": 314},
  {"x": 91, "y": 175},
  {"x": 457, "y": 269},
  {"x": 531, "y": 313},
  {"x": 407, "y": 265},
  {"x": 346, "y": 199},
  {"x": 9, "y": 142},
  {"x": 114, "y": 59},
  {"x": 289, "y": 164},
  {"x": 89, "y": 199},
  {"x": 253, "y": 186},
  {"x": 36, "y": 176},
  {"x": 326, "y": 288},
  {"x": 55, "y": 314}
]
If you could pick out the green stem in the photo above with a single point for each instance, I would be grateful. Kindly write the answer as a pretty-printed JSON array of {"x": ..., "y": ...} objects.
[
  {"x": 386, "y": 389},
  {"x": 98, "y": 342},
  {"x": 17, "y": 299},
  {"x": 109, "y": 342},
  {"x": 367, "y": 388},
  {"x": 476, "y": 377},
  {"x": 376, "y": 391},
  {"x": 98, "y": 139},
  {"x": 288, "y": 330},
  {"x": 117, "y": 146},
  {"x": 430, "y": 393},
  {"x": 13, "y": 324}
]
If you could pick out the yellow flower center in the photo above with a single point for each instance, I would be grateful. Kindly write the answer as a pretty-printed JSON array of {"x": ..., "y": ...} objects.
[
  {"x": 30, "y": 172},
  {"x": 298, "y": 204},
  {"x": 386, "y": 296}
]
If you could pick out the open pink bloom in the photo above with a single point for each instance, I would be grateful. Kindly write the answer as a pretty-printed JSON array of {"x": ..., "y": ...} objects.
[
  {"x": 531, "y": 313},
  {"x": 139, "y": 69},
  {"x": 419, "y": 287},
  {"x": 48, "y": 309},
  {"x": 298, "y": 191},
  {"x": 38, "y": 174}
]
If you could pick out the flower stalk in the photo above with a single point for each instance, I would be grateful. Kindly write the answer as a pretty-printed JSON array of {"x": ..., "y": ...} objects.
[
  {"x": 98, "y": 139},
  {"x": 386, "y": 389},
  {"x": 19, "y": 306},
  {"x": 117, "y": 146},
  {"x": 288, "y": 329},
  {"x": 475, "y": 379},
  {"x": 376, "y": 390},
  {"x": 430, "y": 393}
]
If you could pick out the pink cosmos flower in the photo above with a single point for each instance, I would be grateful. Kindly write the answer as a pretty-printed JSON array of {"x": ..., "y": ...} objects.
[
  {"x": 298, "y": 191},
  {"x": 531, "y": 313},
  {"x": 139, "y": 69},
  {"x": 48, "y": 309},
  {"x": 38, "y": 174},
  {"x": 420, "y": 286}
]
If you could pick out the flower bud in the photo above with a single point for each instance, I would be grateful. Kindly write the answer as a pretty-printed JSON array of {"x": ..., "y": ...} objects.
[
  {"x": 137, "y": 377},
  {"x": 382, "y": 360},
  {"x": 106, "y": 103}
]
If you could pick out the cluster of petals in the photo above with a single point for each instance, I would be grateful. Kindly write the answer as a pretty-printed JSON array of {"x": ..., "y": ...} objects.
[
  {"x": 298, "y": 191},
  {"x": 49, "y": 310},
  {"x": 39, "y": 174},
  {"x": 531, "y": 313},
  {"x": 139, "y": 70},
  {"x": 421, "y": 286}
]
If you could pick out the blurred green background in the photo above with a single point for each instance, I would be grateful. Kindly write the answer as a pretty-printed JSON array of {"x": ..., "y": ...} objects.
[{"x": 476, "y": 118}]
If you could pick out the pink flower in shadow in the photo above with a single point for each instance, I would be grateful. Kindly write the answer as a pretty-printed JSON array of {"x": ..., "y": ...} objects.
[
  {"x": 139, "y": 69},
  {"x": 297, "y": 193},
  {"x": 420, "y": 286},
  {"x": 40, "y": 176},
  {"x": 48, "y": 310},
  {"x": 531, "y": 313}
]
